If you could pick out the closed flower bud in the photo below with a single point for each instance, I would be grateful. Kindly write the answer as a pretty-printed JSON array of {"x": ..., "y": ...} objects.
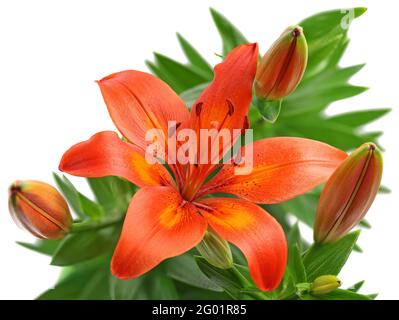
[
  {"x": 325, "y": 284},
  {"x": 348, "y": 194},
  {"x": 215, "y": 250},
  {"x": 282, "y": 67},
  {"x": 40, "y": 209}
]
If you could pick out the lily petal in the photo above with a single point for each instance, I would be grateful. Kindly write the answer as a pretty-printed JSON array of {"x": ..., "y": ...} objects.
[
  {"x": 230, "y": 92},
  {"x": 105, "y": 154},
  {"x": 156, "y": 230},
  {"x": 225, "y": 102},
  {"x": 138, "y": 102},
  {"x": 255, "y": 232},
  {"x": 283, "y": 168}
]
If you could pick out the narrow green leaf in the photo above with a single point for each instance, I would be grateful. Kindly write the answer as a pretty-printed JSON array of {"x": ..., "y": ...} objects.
[
  {"x": 326, "y": 35},
  {"x": 356, "y": 287},
  {"x": 174, "y": 83},
  {"x": 46, "y": 247},
  {"x": 231, "y": 36},
  {"x": 338, "y": 294},
  {"x": 80, "y": 204},
  {"x": 84, "y": 281},
  {"x": 225, "y": 279},
  {"x": 160, "y": 287},
  {"x": 102, "y": 190},
  {"x": 318, "y": 99},
  {"x": 303, "y": 207},
  {"x": 384, "y": 190},
  {"x": 185, "y": 76},
  {"x": 194, "y": 57},
  {"x": 320, "y": 24},
  {"x": 295, "y": 265},
  {"x": 70, "y": 193},
  {"x": 184, "y": 268},
  {"x": 338, "y": 135},
  {"x": 83, "y": 246},
  {"x": 365, "y": 224},
  {"x": 294, "y": 236},
  {"x": 125, "y": 289},
  {"x": 357, "y": 119},
  {"x": 329, "y": 258}
]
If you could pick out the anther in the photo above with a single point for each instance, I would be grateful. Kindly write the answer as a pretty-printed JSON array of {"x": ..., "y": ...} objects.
[
  {"x": 198, "y": 108},
  {"x": 245, "y": 125},
  {"x": 172, "y": 130},
  {"x": 230, "y": 106}
]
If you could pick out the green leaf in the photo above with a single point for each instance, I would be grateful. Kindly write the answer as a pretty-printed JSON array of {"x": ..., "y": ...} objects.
[
  {"x": 295, "y": 265},
  {"x": 186, "y": 77},
  {"x": 365, "y": 224},
  {"x": 325, "y": 34},
  {"x": 303, "y": 207},
  {"x": 160, "y": 287},
  {"x": 225, "y": 279},
  {"x": 357, "y": 119},
  {"x": 318, "y": 99},
  {"x": 80, "y": 204},
  {"x": 231, "y": 36},
  {"x": 338, "y": 135},
  {"x": 294, "y": 236},
  {"x": 112, "y": 193},
  {"x": 184, "y": 268},
  {"x": 85, "y": 281},
  {"x": 338, "y": 294},
  {"x": 384, "y": 190},
  {"x": 194, "y": 57},
  {"x": 356, "y": 287},
  {"x": 329, "y": 258},
  {"x": 174, "y": 83},
  {"x": 83, "y": 246},
  {"x": 70, "y": 193},
  {"x": 46, "y": 247},
  {"x": 102, "y": 191},
  {"x": 125, "y": 289}
]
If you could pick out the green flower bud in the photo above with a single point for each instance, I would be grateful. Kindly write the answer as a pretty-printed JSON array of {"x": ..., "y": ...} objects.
[
  {"x": 215, "y": 250},
  {"x": 325, "y": 284}
]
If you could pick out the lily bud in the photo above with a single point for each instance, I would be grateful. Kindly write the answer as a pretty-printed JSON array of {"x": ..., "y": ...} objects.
[
  {"x": 348, "y": 194},
  {"x": 40, "y": 209},
  {"x": 325, "y": 284},
  {"x": 282, "y": 67},
  {"x": 215, "y": 250}
]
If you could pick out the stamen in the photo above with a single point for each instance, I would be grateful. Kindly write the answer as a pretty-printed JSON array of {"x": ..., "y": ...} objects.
[
  {"x": 198, "y": 108},
  {"x": 172, "y": 130},
  {"x": 230, "y": 106},
  {"x": 245, "y": 125}
]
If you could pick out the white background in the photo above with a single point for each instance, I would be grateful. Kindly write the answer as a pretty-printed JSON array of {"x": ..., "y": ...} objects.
[{"x": 52, "y": 51}]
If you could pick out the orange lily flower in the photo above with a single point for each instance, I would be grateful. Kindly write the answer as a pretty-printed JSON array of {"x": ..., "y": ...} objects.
[{"x": 170, "y": 214}]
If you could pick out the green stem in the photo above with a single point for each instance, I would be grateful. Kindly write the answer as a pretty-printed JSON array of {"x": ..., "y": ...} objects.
[
  {"x": 95, "y": 225},
  {"x": 245, "y": 283}
]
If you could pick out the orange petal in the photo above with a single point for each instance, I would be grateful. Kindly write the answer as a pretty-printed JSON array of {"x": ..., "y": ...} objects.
[
  {"x": 283, "y": 168},
  {"x": 105, "y": 154},
  {"x": 138, "y": 101},
  {"x": 155, "y": 230},
  {"x": 255, "y": 232},
  {"x": 226, "y": 100}
]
